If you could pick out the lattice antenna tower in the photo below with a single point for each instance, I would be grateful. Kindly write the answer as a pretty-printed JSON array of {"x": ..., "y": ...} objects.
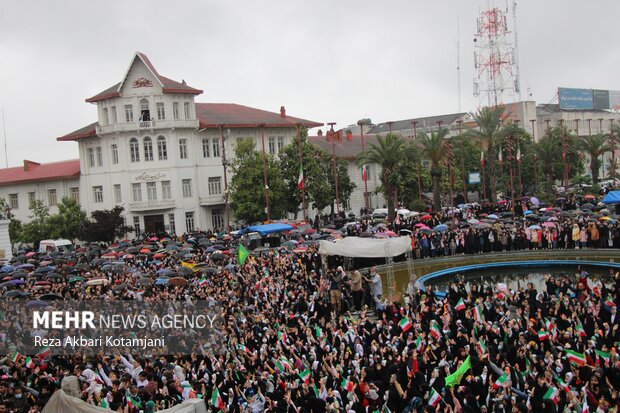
[{"x": 495, "y": 58}]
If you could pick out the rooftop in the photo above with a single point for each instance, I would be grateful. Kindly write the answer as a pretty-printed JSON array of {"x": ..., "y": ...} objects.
[{"x": 37, "y": 172}]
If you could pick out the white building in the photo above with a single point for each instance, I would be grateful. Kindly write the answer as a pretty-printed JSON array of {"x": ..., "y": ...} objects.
[{"x": 161, "y": 155}]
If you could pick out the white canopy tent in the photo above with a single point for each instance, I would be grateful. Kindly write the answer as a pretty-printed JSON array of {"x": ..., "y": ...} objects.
[{"x": 357, "y": 247}]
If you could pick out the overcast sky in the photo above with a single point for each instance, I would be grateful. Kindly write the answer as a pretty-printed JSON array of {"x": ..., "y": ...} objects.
[{"x": 325, "y": 60}]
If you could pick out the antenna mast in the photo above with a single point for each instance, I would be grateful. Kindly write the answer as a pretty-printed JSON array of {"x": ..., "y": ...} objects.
[{"x": 458, "y": 58}]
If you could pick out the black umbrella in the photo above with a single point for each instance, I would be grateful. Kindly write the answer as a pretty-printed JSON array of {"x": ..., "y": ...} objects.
[
  {"x": 218, "y": 256},
  {"x": 185, "y": 271},
  {"x": 50, "y": 297},
  {"x": 12, "y": 294},
  {"x": 120, "y": 287},
  {"x": 209, "y": 270}
]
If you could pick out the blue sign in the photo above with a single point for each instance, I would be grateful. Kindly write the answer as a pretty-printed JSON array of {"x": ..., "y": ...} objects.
[
  {"x": 576, "y": 99},
  {"x": 474, "y": 178}
]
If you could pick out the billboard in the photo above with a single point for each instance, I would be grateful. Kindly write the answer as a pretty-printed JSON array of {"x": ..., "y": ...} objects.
[
  {"x": 614, "y": 99},
  {"x": 474, "y": 178},
  {"x": 576, "y": 99},
  {"x": 600, "y": 99}
]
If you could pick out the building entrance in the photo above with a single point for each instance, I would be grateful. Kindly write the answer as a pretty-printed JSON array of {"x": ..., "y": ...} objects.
[{"x": 154, "y": 224}]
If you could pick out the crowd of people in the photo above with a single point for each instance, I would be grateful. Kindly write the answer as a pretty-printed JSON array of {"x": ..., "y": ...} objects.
[{"x": 289, "y": 344}]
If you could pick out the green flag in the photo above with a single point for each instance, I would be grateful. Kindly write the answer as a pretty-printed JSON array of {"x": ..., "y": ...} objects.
[
  {"x": 456, "y": 377},
  {"x": 242, "y": 255}
]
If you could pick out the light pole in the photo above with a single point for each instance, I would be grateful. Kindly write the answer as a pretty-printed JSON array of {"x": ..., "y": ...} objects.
[
  {"x": 361, "y": 124},
  {"x": 415, "y": 136},
  {"x": 265, "y": 182},
  {"x": 332, "y": 135},
  {"x": 301, "y": 166},
  {"x": 225, "y": 166}
]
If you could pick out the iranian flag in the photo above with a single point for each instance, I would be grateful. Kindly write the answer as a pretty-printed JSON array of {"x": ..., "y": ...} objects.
[
  {"x": 202, "y": 282},
  {"x": 305, "y": 375},
  {"x": 562, "y": 384},
  {"x": 282, "y": 336},
  {"x": 500, "y": 381},
  {"x": 478, "y": 313},
  {"x": 44, "y": 352},
  {"x": 605, "y": 356},
  {"x": 543, "y": 335},
  {"x": 482, "y": 158},
  {"x": 364, "y": 174},
  {"x": 435, "y": 330},
  {"x": 434, "y": 398},
  {"x": 549, "y": 325},
  {"x": 300, "y": 181},
  {"x": 318, "y": 332},
  {"x": 610, "y": 302},
  {"x": 242, "y": 347},
  {"x": 315, "y": 390},
  {"x": 347, "y": 385},
  {"x": 579, "y": 329},
  {"x": 216, "y": 399},
  {"x": 482, "y": 347},
  {"x": 577, "y": 358},
  {"x": 418, "y": 344},
  {"x": 585, "y": 408},
  {"x": 405, "y": 324},
  {"x": 16, "y": 357},
  {"x": 460, "y": 306},
  {"x": 29, "y": 363},
  {"x": 552, "y": 394},
  {"x": 285, "y": 362}
]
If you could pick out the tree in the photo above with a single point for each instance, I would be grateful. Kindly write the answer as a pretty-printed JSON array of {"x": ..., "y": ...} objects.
[
  {"x": 595, "y": 146},
  {"x": 38, "y": 227},
  {"x": 548, "y": 151},
  {"x": 105, "y": 225},
  {"x": 70, "y": 220},
  {"x": 491, "y": 131},
  {"x": 433, "y": 147},
  {"x": 247, "y": 191},
  {"x": 388, "y": 153}
]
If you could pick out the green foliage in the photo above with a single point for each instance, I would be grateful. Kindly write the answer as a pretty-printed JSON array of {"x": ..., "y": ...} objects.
[
  {"x": 433, "y": 147},
  {"x": 389, "y": 154},
  {"x": 105, "y": 225},
  {"x": 247, "y": 191},
  {"x": 69, "y": 222},
  {"x": 594, "y": 146},
  {"x": 38, "y": 228}
]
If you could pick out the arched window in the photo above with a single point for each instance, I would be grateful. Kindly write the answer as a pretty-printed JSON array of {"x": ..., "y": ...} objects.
[
  {"x": 134, "y": 150},
  {"x": 162, "y": 149},
  {"x": 145, "y": 114},
  {"x": 148, "y": 149}
]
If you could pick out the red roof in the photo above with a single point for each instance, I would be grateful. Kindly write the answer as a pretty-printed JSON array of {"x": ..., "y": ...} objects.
[
  {"x": 36, "y": 172},
  {"x": 168, "y": 85},
  {"x": 232, "y": 115},
  {"x": 85, "y": 132}
]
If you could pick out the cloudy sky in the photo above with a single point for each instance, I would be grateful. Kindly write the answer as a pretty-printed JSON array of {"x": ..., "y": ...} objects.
[{"x": 324, "y": 60}]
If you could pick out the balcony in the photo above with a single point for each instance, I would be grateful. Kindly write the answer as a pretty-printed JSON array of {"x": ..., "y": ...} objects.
[
  {"x": 144, "y": 125},
  {"x": 153, "y": 205},
  {"x": 212, "y": 200}
]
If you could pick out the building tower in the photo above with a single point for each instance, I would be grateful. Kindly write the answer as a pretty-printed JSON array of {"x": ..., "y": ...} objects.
[{"x": 495, "y": 58}]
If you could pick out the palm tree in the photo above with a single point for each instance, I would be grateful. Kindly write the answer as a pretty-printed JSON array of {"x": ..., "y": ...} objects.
[
  {"x": 549, "y": 152},
  {"x": 614, "y": 135},
  {"x": 388, "y": 152},
  {"x": 491, "y": 131},
  {"x": 433, "y": 148},
  {"x": 594, "y": 146}
]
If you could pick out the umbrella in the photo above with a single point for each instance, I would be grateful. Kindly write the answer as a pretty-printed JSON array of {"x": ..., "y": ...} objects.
[
  {"x": 161, "y": 281},
  {"x": 220, "y": 256},
  {"x": 587, "y": 205},
  {"x": 7, "y": 268},
  {"x": 309, "y": 231},
  {"x": 290, "y": 243},
  {"x": 534, "y": 227},
  {"x": 185, "y": 271},
  {"x": 548, "y": 224},
  {"x": 532, "y": 217},
  {"x": 51, "y": 297},
  {"x": 14, "y": 293},
  {"x": 473, "y": 221},
  {"x": 441, "y": 228},
  {"x": 390, "y": 233},
  {"x": 493, "y": 216},
  {"x": 16, "y": 275},
  {"x": 534, "y": 200},
  {"x": 120, "y": 287},
  {"x": 76, "y": 279},
  {"x": 528, "y": 212},
  {"x": 178, "y": 281},
  {"x": 24, "y": 266},
  {"x": 420, "y": 225},
  {"x": 36, "y": 303},
  {"x": 97, "y": 281},
  {"x": 144, "y": 281},
  {"x": 165, "y": 271},
  {"x": 17, "y": 282},
  {"x": 6, "y": 284},
  {"x": 211, "y": 270},
  {"x": 589, "y": 197},
  {"x": 42, "y": 283},
  {"x": 426, "y": 217},
  {"x": 503, "y": 201}
]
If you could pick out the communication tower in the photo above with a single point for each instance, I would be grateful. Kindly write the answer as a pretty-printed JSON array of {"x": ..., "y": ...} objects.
[{"x": 495, "y": 57}]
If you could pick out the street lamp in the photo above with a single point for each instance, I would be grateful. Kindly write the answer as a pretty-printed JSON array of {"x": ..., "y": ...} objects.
[
  {"x": 301, "y": 166},
  {"x": 225, "y": 166},
  {"x": 265, "y": 182}
]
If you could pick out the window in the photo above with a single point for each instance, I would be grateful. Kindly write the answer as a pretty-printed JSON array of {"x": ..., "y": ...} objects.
[
  {"x": 173, "y": 227},
  {"x": 105, "y": 119},
  {"x": 148, "y": 149},
  {"x": 175, "y": 110},
  {"x": 32, "y": 196},
  {"x": 136, "y": 190},
  {"x": 91, "y": 157},
  {"x": 280, "y": 143},
  {"x": 186, "y": 109},
  {"x": 272, "y": 145},
  {"x": 151, "y": 191},
  {"x": 161, "y": 112},
  {"x": 128, "y": 113},
  {"x": 134, "y": 150},
  {"x": 166, "y": 192},
  {"x": 136, "y": 225},
  {"x": 186, "y": 185},
  {"x": 99, "y": 156},
  {"x": 113, "y": 115},
  {"x": 98, "y": 194},
  {"x": 189, "y": 221},
  {"x": 215, "y": 185},
  {"x": 162, "y": 149},
  {"x": 74, "y": 193},
  {"x": 216, "y": 148},
  {"x": 145, "y": 114},
  {"x": 217, "y": 218},
  {"x": 206, "y": 151},
  {"x": 114, "y": 150},
  {"x": 14, "y": 201},
  {"x": 117, "y": 194},
  {"x": 183, "y": 148},
  {"x": 52, "y": 199}
]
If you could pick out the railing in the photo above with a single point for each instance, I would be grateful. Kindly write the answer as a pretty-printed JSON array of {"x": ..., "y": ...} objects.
[
  {"x": 152, "y": 205},
  {"x": 146, "y": 124},
  {"x": 212, "y": 200}
]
